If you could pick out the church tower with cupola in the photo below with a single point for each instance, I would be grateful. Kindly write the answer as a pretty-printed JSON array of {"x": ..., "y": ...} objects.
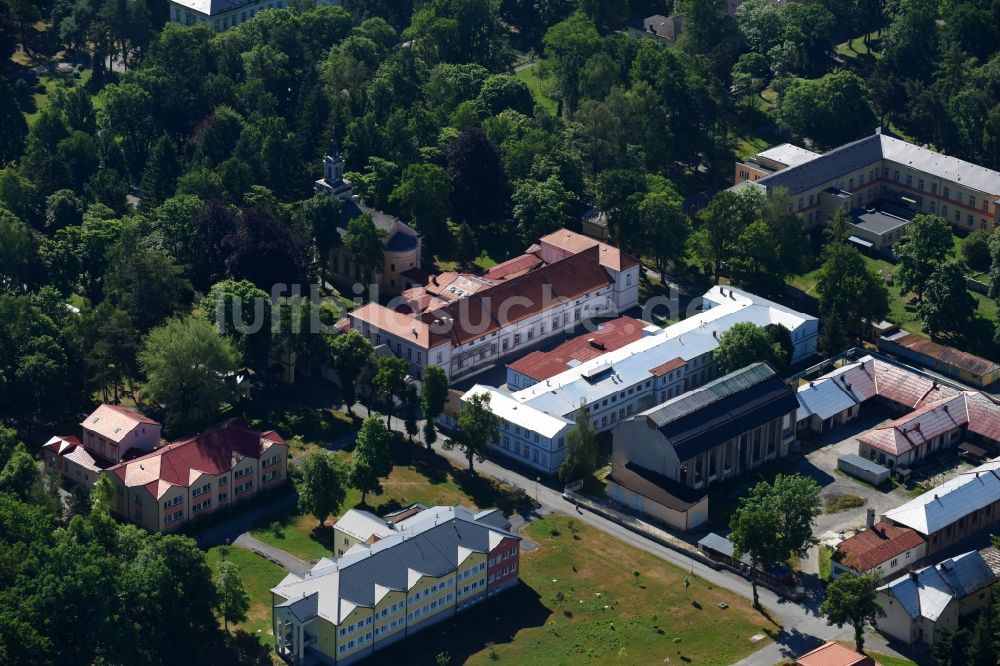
[{"x": 333, "y": 182}]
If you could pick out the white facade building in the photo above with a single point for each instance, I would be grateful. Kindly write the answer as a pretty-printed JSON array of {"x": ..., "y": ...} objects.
[
  {"x": 221, "y": 15},
  {"x": 629, "y": 380}
]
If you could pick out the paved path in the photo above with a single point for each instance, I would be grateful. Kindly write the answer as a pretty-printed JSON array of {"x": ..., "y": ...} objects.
[
  {"x": 231, "y": 529},
  {"x": 804, "y": 628},
  {"x": 276, "y": 555}
]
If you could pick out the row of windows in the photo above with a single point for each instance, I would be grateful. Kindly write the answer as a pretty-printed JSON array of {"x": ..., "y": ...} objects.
[
  {"x": 243, "y": 487},
  {"x": 267, "y": 462},
  {"x": 507, "y": 554}
]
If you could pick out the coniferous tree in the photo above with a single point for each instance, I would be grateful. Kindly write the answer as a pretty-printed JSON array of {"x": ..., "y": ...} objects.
[{"x": 159, "y": 177}]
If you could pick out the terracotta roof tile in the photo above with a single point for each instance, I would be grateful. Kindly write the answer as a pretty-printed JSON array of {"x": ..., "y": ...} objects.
[
  {"x": 513, "y": 300},
  {"x": 669, "y": 366},
  {"x": 868, "y": 549},
  {"x": 570, "y": 241},
  {"x": 612, "y": 335},
  {"x": 834, "y": 654}
]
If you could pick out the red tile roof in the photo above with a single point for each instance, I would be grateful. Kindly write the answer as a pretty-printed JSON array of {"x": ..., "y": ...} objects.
[
  {"x": 214, "y": 451},
  {"x": 513, "y": 267},
  {"x": 612, "y": 335},
  {"x": 513, "y": 300},
  {"x": 669, "y": 366},
  {"x": 834, "y": 654},
  {"x": 868, "y": 549},
  {"x": 610, "y": 256}
]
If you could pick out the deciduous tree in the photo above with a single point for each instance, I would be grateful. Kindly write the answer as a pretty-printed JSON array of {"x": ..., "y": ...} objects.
[
  {"x": 581, "y": 449},
  {"x": 321, "y": 486},
  {"x": 372, "y": 460},
  {"x": 349, "y": 353},
  {"x": 476, "y": 427},
  {"x": 853, "y": 600},
  {"x": 188, "y": 364}
]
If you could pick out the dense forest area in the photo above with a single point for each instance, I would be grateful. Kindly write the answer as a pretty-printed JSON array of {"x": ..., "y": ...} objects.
[
  {"x": 192, "y": 155},
  {"x": 175, "y": 163}
]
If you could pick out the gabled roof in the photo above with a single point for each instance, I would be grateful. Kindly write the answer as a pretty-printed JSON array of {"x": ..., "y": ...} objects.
[
  {"x": 956, "y": 358},
  {"x": 432, "y": 543},
  {"x": 856, "y": 155},
  {"x": 834, "y": 654},
  {"x": 725, "y": 408},
  {"x": 115, "y": 422},
  {"x": 875, "y": 546},
  {"x": 919, "y": 427},
  {"x": 611, "y": 257},
  {"x": 837, "y": 391},
  {"x": 180, "y": 463},
  {"x": 928, "y": 591},
  {"x": 363, "y": 525},
  {"x": 951, "y": 501},
  {"x": 60, "y": 444},
  {"x": 512, "y": 300}
]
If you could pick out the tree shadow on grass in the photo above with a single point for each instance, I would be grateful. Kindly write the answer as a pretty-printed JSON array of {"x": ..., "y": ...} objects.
[
  {"x": 487, "y": 493},
  {"x": 237, "y": 648},
  {"x": 427, "y": 463},
  {"x": 496, "y": 620}
]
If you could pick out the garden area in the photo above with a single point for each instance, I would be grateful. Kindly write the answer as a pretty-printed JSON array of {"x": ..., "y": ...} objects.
[
  {"x": 259, "y": 576},
  {"x": 418, "y": 476},
  {"x": 572, "y": 607}
]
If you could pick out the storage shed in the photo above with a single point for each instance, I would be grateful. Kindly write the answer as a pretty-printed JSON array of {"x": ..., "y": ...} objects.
[{"x": 861, "y": 468}]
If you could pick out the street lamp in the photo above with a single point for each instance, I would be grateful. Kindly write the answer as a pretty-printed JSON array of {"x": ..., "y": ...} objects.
[{"x": 537, "y": 479}]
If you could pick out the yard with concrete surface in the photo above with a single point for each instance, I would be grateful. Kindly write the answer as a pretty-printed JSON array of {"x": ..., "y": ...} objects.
[{"x": 580, "y": 603}]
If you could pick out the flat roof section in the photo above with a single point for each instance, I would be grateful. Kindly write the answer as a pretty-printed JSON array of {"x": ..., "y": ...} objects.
[{"x": 878, "y": 222}]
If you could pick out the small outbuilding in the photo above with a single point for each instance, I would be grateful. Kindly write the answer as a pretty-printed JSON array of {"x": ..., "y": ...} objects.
[{"x": 861, "y": 468}]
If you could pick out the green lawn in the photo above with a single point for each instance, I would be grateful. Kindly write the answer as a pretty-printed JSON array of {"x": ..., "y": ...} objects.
[
  {"x": 825, "y": 565},
  {"x": 540, "y": 87},
  {"x": 259, "y": 576},
  {"x": 580, "y": 604},
  {"x": 855, "y": 47},
  {"x": 40, "y": 100},
  {"x": 902, "y": 306},
  {"x": 417, "y": 477},
  {"x": 886, "y": 660}
]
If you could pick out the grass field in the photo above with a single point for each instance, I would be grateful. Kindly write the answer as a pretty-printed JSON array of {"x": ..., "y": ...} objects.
[
  {"x": 259, "y": 576},
  {"x": 902, "y": 306},
  {"x": 539, "y": 86},
  {"x": 417, "y": 477},
  {"x": 825, "y": 565},
  {"x": 886, "y": 660},
  {"x": 579, "y": 603}
]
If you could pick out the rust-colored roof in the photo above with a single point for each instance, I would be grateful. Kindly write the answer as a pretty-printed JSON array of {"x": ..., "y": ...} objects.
[
  {"x": 514, "y": 267},
  {"x": 213, "y": 452},
  {"x": 612, "y": 335},
  {"x": 956, "y": 358},
  {"x": 984, "y": 415},
  {"x": 570, "y": 241},
  {"x": 669, "y": 366},
  {"x": 868, "y": 549},
  {"x": 395, "y": 323},
  {"x": 919, "y": 426},
  {"x": 907, "y": 388},
  {"x": 834, "y": 654},
  {"x": 513, "y": 300}
]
